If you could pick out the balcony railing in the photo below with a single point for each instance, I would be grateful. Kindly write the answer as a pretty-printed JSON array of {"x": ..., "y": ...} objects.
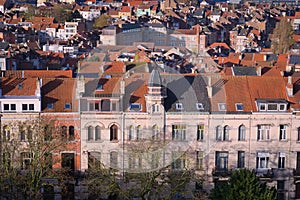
[{"x": 222, "y": 172}]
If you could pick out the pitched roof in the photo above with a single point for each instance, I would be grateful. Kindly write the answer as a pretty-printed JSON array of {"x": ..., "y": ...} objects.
[
  {"x": 58, "y": 92},
  {"x": 38, "y": 73},
  {"x": 18, "y": 86}
]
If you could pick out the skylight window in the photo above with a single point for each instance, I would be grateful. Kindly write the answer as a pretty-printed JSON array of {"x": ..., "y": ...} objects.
[
  {"x": 179, "y": 106},
  {"x": 20, "y": 86},
  {"x": 222, "y": 106},
  {"x": 67, "y": 106},
  {"x": 239, "y": 107},
  {"x": 199, "y": 106}
]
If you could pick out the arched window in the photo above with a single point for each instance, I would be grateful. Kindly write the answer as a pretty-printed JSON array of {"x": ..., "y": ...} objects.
[
  {"x": 155, "y": 132},
  {"x": 97, "y": 133},
  {"x": 71, "y": 133},
  {"x": 218, "y": 133},
  {"x": 226, "y": 133},
  {"x": 29, "y": 134},
  {"x": 113, "y": 132},
  {"x": 113, "y": 159},
  {"x": 90, "y": 133},
  {"x": 139, "y": 132},
  {"x": 242, "y": 133},
  {"x": 6, "y": 133},
  {"x": 131, "y": 133},
  {"x": 47, "y": 133},
  {"x": 64, "y": 132},
  {"x": 22, "y": 134}
]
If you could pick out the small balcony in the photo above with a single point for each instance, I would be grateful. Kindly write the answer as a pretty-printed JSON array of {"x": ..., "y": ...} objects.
[
  {"x": 225, "y": 173},
  {"x": 265, "y": 174}
]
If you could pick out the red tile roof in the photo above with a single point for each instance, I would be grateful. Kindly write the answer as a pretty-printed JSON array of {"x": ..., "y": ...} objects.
[
  {"x": 39, "y": 73},
  {"x": 59, "y": 92},
  {"x": 18, "y": 86}
]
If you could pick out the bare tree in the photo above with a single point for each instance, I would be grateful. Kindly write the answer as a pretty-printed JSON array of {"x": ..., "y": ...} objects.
[{"x": 29, "y": 149}]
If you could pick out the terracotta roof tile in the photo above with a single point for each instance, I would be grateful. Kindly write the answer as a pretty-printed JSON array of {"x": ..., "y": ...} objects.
[
  {"x": 115, "y": 67},
  {"x": 39, "y": 73},
  {"x": 18, "y": 86},
  {"x": 58, "y": 92},
  {"x": 216, "y": 44}
]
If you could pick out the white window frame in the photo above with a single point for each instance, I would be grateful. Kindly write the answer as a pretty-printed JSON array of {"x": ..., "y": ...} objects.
[
  {"x": 199, "y": 106},
  {"x": 281, "y": 160},
  {"x": 179, "y": 106},
  {"x": 282, "y": 132},
  {"x": 222, "y": 106},
  {"x": 135, "y": 104},
  {"x": 262, "y": 160},
  {"x": 239, "y": 104},
  {"x": 178, "y": 132},
  {"x": 263, "y": 131},
  {"x": 262, "y": 104}
]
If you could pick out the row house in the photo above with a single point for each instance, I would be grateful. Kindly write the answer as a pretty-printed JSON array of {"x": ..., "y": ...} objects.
[
  {"x": 212, "y": 124},
  {"x": 29, "y": 102}
]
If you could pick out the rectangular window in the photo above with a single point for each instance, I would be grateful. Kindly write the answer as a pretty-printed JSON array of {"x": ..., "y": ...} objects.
[
  {"x": 91, "y": 107},
  {"x": 178, "y": 132},
  {"x": 200, "y": 132},
  {"x": 239, "y": 107},
  {"x": 222, "y": 106},
  {"x": 262, "y": 107},
  {"x": 179, "y": 160},
  {"x": 282, "y": 107},
  {"x": 282, "y": 132},
  {"x": 199, "y": 106},
  {"x": 281, "y": 160},
  {"x": 13, "y": 107},
  {"x": 199, "y": 160},
  {"x": 6, "y": 107},
  {"x": 221, "y": 160},
  {"x": 135, "y": 107},
  {"x": 24, "y": 107},
  {"x": 114, "y": 106},
  {"x": 241, "y": 159},
  {"x": 31, "y": 106},
  {"x": 263, "y": 132},
  {"x": 272, "y": 107},
  {"x": 262, "y": 160},
  {"x": 97, "y": 106},
  {"x": 179, "y": 106}
]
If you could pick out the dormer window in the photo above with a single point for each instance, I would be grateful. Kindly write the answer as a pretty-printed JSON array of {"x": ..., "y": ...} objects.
[
  {"x": 282, "y": 107},
  {"x": 99, "y": 86},
  {"x": 50, "y": 106},
  {"x": 239, "y": 107},
  {"x": 67, "y": 106},
  {"x": 179, "y": 106},
  {"x": 272, "y": 107},
  {"x": 199, "y": 106},
  {"x": 262, "y": 107},
  {"x": 135, "y": 107},
  {"x": 222, "y": 106}
]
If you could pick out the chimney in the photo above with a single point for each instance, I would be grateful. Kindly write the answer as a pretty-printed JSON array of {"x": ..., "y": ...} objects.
[
  {"x": 80, "y": 86},
  {"x": 209, "y": 87},
  {"x": 38, "y": 87},
  {"x": 122, "y": 87},
  {"x": 258, "y": 71},
  {"x": 289, "y": 87}
]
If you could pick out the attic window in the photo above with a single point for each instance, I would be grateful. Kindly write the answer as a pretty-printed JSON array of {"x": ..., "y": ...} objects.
[
  {"x": 135, "y": 107},
  {"x": 199, "y": 106},
  {"x": 179, "y": 106},
  {"x": 67, "y": 106},
  {"x": 239, "y": 107},
  {"x": 282, "y": 107},
  {"x": 50, "y": 106},
  {"x": 20, "y": 86},
  {"x": 262, "y": 107},
  {"x": 222, "y": 106},
  {"x": 99, "y": 86}
]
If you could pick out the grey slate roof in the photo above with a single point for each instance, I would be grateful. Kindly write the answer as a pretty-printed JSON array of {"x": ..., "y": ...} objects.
[{"x": 188, "y": 90}]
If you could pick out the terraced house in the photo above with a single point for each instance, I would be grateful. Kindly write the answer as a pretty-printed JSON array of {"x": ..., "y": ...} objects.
[{"x": 210, "y": 124}]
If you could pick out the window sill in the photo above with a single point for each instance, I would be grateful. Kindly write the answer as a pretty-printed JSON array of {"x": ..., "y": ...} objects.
[
  {"x": 94, "y": 141},
  {"x": 114, "y": 141},
  {"x": 285, "y": 140}
]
